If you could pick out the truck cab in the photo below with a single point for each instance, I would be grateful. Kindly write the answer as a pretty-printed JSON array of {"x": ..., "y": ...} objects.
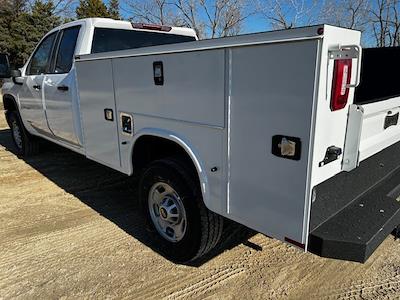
[{"x": 46, "y": 91}]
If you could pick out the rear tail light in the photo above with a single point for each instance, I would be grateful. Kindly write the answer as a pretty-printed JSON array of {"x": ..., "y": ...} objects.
[
  {"x": 341, "y": 81},
  {"x": 151, "y": 27}
]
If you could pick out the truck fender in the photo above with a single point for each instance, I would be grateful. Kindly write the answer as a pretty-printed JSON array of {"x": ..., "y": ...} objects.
[
  {"x": 189, "y": 149},
  {"x": 9, "y": 104},
  {"x": 10, "y": 100}
]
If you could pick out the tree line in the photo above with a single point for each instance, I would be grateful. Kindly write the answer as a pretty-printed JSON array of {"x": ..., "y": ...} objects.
[
  {"x": 378, "y": 20},
  {"x": 24, "y": 22}
]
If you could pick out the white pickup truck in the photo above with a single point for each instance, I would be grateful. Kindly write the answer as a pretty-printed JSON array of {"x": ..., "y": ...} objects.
[{"x": 265, "y": 129}]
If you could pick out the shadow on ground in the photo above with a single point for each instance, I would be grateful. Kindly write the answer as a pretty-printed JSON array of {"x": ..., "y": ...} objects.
[{"x": 111, "y": 194}]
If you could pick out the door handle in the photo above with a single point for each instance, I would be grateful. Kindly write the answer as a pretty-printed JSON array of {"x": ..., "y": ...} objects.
[
  {"x": 63, "y": 88},
  {"x": 36, "y": 87}
]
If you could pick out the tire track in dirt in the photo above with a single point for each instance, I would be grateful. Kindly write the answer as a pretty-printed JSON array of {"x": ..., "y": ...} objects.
[
  {"x": 346, "y": 280},
  {"x": 375, "y": 286},
  {"x": 208, "y": 280},
  {"x": 374, "y": 290},
  {"x": 202, "y": 281},
  {"x": 85, "y": 215},
  {"x": 28, "y": 266},
  {"x": 28, "y": 228},
  {"x": 187, "y": 285},
  {"x": 20, "y": 252},
  {"x": 207, "y": 284},
  {"x": 241, "y": 263}
]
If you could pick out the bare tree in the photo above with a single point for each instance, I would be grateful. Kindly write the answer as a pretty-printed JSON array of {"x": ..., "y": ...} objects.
[
  {"x": 188, "y": 11},
  {"x": 285, "y": 14},
  {"x": 62, "y": 8},
  {"x": 385, "y": 22},
  {"x": 353, "y": 14},
  {"x": 396, "y": 24},
  {"x": 209, "y": 18},
  {"x": 379, "y": 20},
  {"x": 224, "y": 17},
  {"x": 151, "y": 11}
]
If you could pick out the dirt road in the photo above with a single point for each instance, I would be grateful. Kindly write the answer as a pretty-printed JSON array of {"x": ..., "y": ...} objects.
[{"x": 70, "y": 228}]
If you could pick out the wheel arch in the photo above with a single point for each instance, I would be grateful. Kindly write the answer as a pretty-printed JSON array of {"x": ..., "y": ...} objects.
[
  {"x": 9, "y": 102},
  {"x": 184, "y": 145}
]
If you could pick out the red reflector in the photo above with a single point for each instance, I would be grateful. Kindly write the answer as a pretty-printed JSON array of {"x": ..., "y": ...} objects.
[
  {"x": 293, "y": 242},
  {"x": 151, "y": 27},
  {"x": 341, "y": 79}
]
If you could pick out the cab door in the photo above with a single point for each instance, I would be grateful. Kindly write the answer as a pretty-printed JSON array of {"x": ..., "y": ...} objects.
[
  {"x": 32, "y": 106},
  {"x": 59, "y": 89}
]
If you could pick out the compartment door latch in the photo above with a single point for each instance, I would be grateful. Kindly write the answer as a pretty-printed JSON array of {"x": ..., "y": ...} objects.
[
  {"x": 332, "y": 153},
  {"x": 126, "y": 124}
]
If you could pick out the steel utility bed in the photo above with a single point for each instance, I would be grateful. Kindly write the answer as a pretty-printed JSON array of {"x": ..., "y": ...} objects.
[{"x": 234, "y": 103}]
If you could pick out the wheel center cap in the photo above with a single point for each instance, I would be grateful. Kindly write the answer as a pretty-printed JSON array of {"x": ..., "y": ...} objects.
[{"x": 163, "y": 213}]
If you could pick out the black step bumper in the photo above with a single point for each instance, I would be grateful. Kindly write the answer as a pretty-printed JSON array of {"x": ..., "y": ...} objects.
[{"x": 354, "y": 212}]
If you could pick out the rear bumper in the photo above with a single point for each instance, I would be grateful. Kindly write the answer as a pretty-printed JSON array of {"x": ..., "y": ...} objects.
[{"x": 355, "y": 211}]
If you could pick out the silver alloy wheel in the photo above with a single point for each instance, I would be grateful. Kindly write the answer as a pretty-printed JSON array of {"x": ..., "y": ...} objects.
[
  {"x": 16, "y": 132},
  {"x": 167, "y": 212}
]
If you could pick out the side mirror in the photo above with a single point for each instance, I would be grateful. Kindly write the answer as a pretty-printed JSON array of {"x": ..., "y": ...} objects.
[
  {"x": 5, "y": 70},
  {"x": 15, "y": 73}
]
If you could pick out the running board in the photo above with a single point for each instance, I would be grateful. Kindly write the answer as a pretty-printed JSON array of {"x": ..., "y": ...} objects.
[{"x": 356, "y": 231}]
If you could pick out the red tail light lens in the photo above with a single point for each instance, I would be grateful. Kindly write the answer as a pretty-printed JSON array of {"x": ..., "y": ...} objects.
[{"x": 341, "y": 80}]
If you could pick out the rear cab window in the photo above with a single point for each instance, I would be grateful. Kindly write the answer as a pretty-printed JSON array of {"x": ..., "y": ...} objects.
[
  {"x": 106, "y": 39},
  {"x": 66, "y": 49}
]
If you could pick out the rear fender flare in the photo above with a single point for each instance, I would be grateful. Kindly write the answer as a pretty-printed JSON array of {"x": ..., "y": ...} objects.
[{"x": 189, "y": 149}]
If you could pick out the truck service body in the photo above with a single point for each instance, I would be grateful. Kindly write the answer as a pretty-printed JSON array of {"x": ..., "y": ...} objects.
[{"x": 267, "y": 126}]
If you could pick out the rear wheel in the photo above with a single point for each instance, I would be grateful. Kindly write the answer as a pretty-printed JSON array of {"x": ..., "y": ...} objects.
[
  {"x": 186, "y": 229},
  {"x": 25, "y": 143}
]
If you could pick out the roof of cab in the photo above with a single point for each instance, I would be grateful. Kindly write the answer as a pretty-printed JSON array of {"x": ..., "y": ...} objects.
[{"x": 117, "y": 24}]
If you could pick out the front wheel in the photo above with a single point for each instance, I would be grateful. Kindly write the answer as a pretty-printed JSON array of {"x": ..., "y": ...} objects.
[
  {"x": 173, "y": 204},
  {"x": 25, "y": 143}
]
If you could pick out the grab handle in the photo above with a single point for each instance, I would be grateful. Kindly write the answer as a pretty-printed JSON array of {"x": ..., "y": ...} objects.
[{"x": 349, "y": 52}]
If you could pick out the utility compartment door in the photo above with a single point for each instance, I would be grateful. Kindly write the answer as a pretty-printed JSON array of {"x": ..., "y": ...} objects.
[
  {"x": 271, "y": 93},
  {"x": 96, "y": 92}
]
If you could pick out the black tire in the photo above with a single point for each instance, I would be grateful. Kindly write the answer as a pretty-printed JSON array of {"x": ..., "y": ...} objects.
[
  {"x": 203, "y": 229},
  {"x": 26, "y": 144}
]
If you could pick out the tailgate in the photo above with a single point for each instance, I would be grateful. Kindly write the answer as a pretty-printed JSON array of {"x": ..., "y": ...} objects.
[
  {"x": 352, "y": 212},
  {"x": 374, "y": 116},
  {"x": 380, "y": 126}
]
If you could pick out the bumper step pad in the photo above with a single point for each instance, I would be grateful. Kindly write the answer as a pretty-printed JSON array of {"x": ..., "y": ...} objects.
[{"x": 354, "y": 232}]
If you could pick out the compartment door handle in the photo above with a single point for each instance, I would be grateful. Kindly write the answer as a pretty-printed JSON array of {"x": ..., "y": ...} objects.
[{"x": 63, "y": 88}]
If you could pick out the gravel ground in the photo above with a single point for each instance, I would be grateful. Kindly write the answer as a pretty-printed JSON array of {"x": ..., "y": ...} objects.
[{"x": 70, "y": 228}]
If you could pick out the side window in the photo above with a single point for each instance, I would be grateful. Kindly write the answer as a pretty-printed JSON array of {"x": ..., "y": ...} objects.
[
  {"x": 40, "y": 61},
  {"x": 66, "y": 50}
]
